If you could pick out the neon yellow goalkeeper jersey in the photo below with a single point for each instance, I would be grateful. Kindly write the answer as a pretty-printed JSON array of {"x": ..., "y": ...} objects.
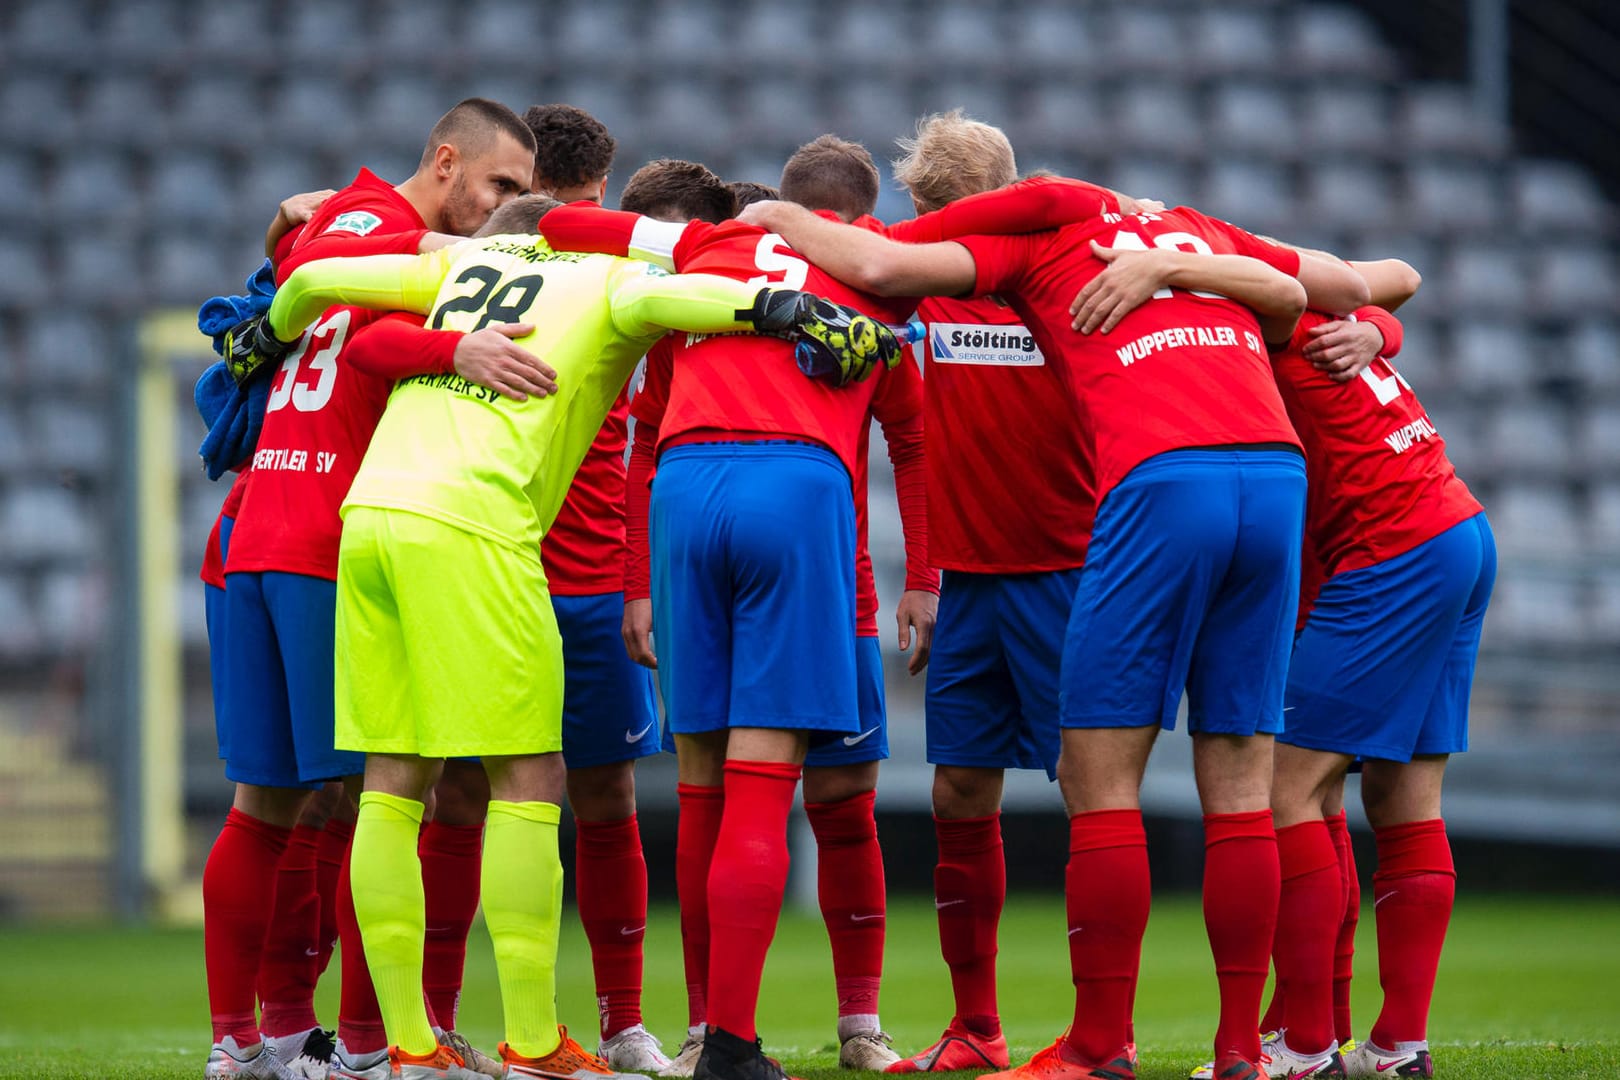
[{"x": 462, "y": 454}]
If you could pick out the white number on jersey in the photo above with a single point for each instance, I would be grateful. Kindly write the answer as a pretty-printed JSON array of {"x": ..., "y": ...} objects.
[
  {"x": 1385, "y": 388},
  {"x": 323, "y": 362},
  {"x": 774, "y": 256},
  {"x": 1170, "y": 241}
]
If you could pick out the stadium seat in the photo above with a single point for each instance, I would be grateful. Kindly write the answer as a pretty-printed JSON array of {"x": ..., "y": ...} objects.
[
  {"x": 54, "y": 35},
  {"x": 1256, "y": 195},
  {"x": 69, "y": 347},
  {"x": 186, "y": 270},
  {"x": 37, "y": 110},
  {"x": 68, "y": 609},
  {"x": 1138, "y": 39},
  {"x": 264, "y": 186},
  {"x": 680, "y": 117},
  {"x": 1526, "y": 610},
  {"x": 874, "y": 111},
  {"x": 1444, "y": 195},
  {"x": 13, "y": 443},
  {"x": 1352, "y": 192},
  {"x": 1233, "y": 40},
  {"x": 1591, "y": 350},
  {"x": 1603, "y": 610},
  {"x": 601, "y": 32},
  {"x": 21, "y": 290},
  {"x": 401, "y": 109},
  {"x": 878, "y": 34},
  {"x": 1529, "y": 439},
  {"x": 1603, "y": 517},
  {"x": 759, "y": 112},
  {"x": 19, "y": 187},
  {"x": 1253, "y": 117},
  {"x": 1150, "y": 178},
  {"x": 1062, "y": 116},
  {"x": 1157, "y": 116},
  {"x": 94, "y": 187},
  {"x": 1056, "y": 36},
  {"x": 123, "y": 111},
  {"x": 1571, "y": 280},
  {"x": 71, "y": 434},
  {"x": 956, "y": 32},
  {"x": 1536, "y": 520},
  {"x": 1332, "y": 39},
  {"x": 1489, "y": 357},
  {"x": 212, "y": 29},
  {"x": 310, "y": 111},
  {"x": 1484, "y": 278},
  {"x": 1557, "y": 196},
  {"x": 1343, "y": 116},
  {"x": 983, "y": 99},
  {"x": 761, "y": 29},
  {"x": 207, "y": 104},
  {"x": 320, "y": 33},
  {"x": 1442, "y": 117},
  {"x": 498, "y": 32},
  {"x": 419, "y": 32},
  {"x": 1597, "y": 436},
  {"x": 150, "y": 29},
  {"x": 42, "y": 522},
  {"x": 192, "y": 187}
]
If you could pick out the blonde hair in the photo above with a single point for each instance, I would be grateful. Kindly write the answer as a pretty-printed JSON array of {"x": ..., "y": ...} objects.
[{"x": 952, "y": 156}]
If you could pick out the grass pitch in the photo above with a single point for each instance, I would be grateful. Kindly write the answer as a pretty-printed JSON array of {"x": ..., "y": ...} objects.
[{"x": 1527, "y": 989}]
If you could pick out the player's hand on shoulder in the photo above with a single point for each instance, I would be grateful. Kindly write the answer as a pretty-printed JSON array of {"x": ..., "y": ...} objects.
[
  {"x": 1343, "y": 349},
  {"x": 763, "y": 213},
  {"x": 298, "y": 209},
  {"x": 1128, "y": 281},
  {"x": 1129, "y": 204},
  {"x": 489, "y": 357},
  {"x": 916, "y": 613},
  {"x": 637, "y": 632}
]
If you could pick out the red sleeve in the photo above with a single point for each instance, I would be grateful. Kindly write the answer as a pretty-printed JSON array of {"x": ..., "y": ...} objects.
[
  {"x": 998, "y": 262},
  {"x": 333, "y": 245},
  {"x": 1033, "y": 205},
  {"x": 898, "y": 406},
  {"x": 284, "y": 246},
  {"x": 1387, "y": 324},
  {"x": 651, "y": 398},
  {"x": 588, "y": 227},
  {"x": 637, "y": 494},
  {"x": 399, "y": 345}
]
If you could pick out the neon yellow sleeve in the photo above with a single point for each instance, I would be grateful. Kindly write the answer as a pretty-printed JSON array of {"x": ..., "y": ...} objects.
[
  {"x": 385, "y": 282},
  {"x": 646, "y": 305}
]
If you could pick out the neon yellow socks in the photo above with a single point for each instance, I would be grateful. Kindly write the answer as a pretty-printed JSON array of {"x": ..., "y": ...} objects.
[
  {"x": 522, "y": 897},
  {"x": 389, "y": 906}
]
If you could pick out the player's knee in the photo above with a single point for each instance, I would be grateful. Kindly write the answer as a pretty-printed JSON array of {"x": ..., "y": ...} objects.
[
  {"x": 835, "y": 783},
  {"x": 461, "y": 797},
  {"x": 603, "y": 792},
  {"x": 962, "y": 792}
]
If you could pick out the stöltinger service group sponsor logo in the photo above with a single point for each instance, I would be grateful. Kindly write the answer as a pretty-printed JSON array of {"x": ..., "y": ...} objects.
[{"x": 982, "y": 343}]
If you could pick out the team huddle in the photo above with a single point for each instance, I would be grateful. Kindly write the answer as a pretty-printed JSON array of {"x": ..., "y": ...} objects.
[{"x": 1147, "y": 456}]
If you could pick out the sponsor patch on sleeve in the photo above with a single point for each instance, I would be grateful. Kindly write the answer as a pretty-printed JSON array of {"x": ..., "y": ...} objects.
[{"x": 359, "y": 222}]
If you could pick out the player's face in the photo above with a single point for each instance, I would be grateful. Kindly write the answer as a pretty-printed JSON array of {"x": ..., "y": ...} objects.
[{"x": 485, "y": 183}]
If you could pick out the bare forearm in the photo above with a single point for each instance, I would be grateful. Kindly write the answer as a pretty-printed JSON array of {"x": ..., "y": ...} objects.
[{"x": 1391, "y": 281}]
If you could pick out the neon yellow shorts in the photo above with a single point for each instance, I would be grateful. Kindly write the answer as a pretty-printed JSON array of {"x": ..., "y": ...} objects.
[{"x": 446, "y": 642}]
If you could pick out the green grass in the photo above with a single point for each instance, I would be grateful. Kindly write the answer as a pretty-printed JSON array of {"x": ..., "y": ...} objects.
[{"x": 1527, "y": 989}]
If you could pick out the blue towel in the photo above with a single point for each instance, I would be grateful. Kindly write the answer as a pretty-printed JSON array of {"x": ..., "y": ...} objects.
[
  {"x": 234, "y": 414},
  {"x": 219, "y": 313}
]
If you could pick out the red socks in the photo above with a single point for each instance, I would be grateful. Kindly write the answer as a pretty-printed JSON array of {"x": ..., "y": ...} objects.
[
  {"x": 850, "y": 882},
  {"x": 696, "y": 834},
  {"x": 1309, "y": 913},
  {"x": 746, "y": 880},
  {"x": 1241, "y": 886},
  {"x": 335, "y": 840},
  {"x": 451, "y": 858},
  {"x": 239, "y": 893},
  {"x": 1413, "y": 892},
  {"x": 1107, "y": 892},
  {"x": 291, "y": 962},
  {"x": 360, "y": 1023},
  {"x": 970, "y": 888},
  {"x": 611, "y": 885},
  {"x": 1344, "y": 951}
]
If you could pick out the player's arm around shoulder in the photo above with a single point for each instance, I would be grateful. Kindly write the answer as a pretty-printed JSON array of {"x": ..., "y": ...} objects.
[
  {"x": 864, "y": 259},
  {"x": 381, "y": 282}
]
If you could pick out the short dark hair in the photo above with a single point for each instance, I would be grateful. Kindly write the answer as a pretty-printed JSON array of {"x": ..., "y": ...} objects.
[
  {"x": 749, "y": 192},
  {"x": 471, "y": 127},
  {"x": 672, "y": 189},
  {"x": 519, "y": 215},
  {"x": 832, "y": 174},
  {"x": 573, "y": 147}
]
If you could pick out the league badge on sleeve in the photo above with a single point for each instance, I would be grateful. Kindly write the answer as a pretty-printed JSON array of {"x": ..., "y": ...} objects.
[{"x": 359, "y": 222}]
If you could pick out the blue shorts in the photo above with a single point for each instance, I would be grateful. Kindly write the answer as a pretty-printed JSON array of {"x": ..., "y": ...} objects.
[
  {"x": 1191, "y": 582},
  {"x": 993, "y": 675},
  {"x": 609, "y": 713},
  {"x": 278, "y": 682},
  {"x": 214, "y": 619},
  {"x": 753, "y": 587},
  {"x": 871, "y": 743},
  {"x": 1384, "y": 665}
]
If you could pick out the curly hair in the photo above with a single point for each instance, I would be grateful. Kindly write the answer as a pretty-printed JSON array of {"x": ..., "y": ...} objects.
[{"x": 574, "y": 148}]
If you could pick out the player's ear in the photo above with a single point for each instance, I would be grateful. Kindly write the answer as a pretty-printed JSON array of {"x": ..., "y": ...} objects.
[
  {"x": 601, "y": 191},
  {"x": 445, "y": 160}
]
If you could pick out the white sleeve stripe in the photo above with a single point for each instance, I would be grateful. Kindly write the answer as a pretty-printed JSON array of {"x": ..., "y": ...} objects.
[{"x": 654, "y": 241}]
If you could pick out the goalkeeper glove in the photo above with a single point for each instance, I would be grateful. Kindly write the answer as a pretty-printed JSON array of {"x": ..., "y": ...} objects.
[
  {"x": 250, "y": 345},
  {"x": 831, "y": 342}
]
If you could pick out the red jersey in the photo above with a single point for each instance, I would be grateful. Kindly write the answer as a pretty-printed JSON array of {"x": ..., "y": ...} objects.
[
  {"x": 322, "y": 409},
  {"x": 583, "y": 551},
  {"x": 213, "y": 564},
  {"x": 1007, "y": 489},
  {"x": 897, "y": 405},
  {"x": 1378, "y": 479},
  {"x": 1182, "y": 370}
]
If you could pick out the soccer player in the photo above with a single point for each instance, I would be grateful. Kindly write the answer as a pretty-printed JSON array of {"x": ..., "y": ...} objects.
[
  {"x": 1185, "y": 438},
  {"x": 840, "y": 778},
  {"x": 1381, "y": 672},
  {"x": 610, "y": 718},
  {"x": 446, "y": 644},
  {"x": 738, "y": 587},
  {"x": 282, "y": 561}
]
